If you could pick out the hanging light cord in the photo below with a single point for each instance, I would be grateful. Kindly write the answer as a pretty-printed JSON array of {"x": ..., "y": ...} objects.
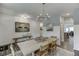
[{"x": 43, "y": 8}]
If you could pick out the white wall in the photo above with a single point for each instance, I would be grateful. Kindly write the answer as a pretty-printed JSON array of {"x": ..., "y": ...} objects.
[
  {"x": 56, "y": 32},
  {"x": 7, "y": 27},
  {"x": 34, "y": 28},
  {"x": 76, "y": 37}
]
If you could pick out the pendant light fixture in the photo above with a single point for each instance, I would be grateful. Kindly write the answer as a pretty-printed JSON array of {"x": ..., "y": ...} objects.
[{"x": 43, "y": 17}]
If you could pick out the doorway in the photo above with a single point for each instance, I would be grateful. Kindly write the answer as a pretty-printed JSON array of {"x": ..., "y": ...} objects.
[{"x": 66, "y": 32}]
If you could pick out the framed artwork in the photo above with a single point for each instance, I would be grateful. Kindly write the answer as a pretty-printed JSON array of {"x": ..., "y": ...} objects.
[
  {"x": 22, "y": 27},
  {"x": 49, "y": 28}
]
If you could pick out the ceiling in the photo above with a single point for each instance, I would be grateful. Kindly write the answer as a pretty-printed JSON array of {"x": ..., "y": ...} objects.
[{"x": 55, "y": 10}]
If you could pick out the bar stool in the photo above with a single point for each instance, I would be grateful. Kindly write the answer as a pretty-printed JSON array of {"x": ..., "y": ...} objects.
[
  {"x": 43, "y": 51},
  {"x": 6, "y": 49},
  {"x": 53, "y": 47},
  {"x": 1, "y": 50}
]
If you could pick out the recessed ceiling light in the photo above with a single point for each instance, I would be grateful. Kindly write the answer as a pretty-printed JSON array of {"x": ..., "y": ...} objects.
[{"x": 67, "y": 14}]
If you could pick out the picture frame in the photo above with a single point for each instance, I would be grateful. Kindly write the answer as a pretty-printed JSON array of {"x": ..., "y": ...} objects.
[
  {"x": 49, "y": 27},
  {"x": 22, "y": 27}
]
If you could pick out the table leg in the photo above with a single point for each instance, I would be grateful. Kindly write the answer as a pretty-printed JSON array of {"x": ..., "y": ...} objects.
[{"x": 32, "y": 53}]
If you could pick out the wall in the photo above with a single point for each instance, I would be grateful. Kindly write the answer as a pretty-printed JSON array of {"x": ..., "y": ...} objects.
[
  {"x": 76, "y": 37},
  {"x": 55, "y": 32},
  {"x": 34, "y": 29},
  {"x": 7, "y": 27}
]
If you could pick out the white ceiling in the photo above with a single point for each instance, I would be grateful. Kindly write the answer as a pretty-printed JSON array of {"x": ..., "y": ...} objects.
[{"x": 55, "y": 10}]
